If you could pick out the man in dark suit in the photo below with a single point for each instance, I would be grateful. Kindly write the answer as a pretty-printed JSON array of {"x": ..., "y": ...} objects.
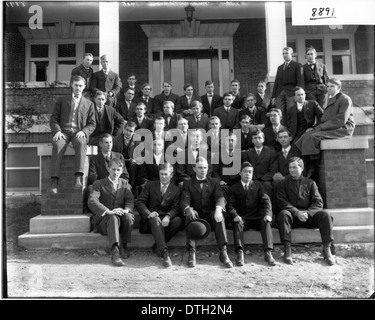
[
  {"x": 85, "y": 71},
  {"x": 263, "y": 99},
  {"x": 147, "y": 100},
  {"x": 258, "y": 115},
  {"x": 131, "y": 80},
  {"x": 141, "y": 120},
  {"x": 202, "y": 197},
  {"x": 262, "y": 159},
  {"x": 214, "y": 139},
  {"x": 164, "y": 96},
  {"x": 72, "y": 120},
  {"x": 301, "y": 205},
  {"x": 246, "y": 133},
  {"x": 197, "y": 120},
  {"x": 184, "y": 102},
  {"x": 107, "y": 81},
  {"x": 229, "y": 116},
  {"x": 112, "y": 204},
  {"x": 158, "y": 205},
  {"x": 170, "y": 116},
  {"x": 108, "y": 120},
  {"x": 303, "y": 114},
  {"x": 127, "y": 107},
  {"x": 270, "y": 132},
  {"x": 250, "y": 207},
  {"x": 316, "y": 78},
  {"x": 289, "y": 75},
  {"x": 238, "y": 99},
  {"x": 210, "y": 101}
]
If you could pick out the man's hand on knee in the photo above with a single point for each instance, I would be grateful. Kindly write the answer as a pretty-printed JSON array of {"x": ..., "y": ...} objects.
[{"x": 59, "y": 135}]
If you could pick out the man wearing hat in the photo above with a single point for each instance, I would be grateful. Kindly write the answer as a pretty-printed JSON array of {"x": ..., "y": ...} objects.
[
  {"x": 202, "y": 197},
  {"x": 158, "y": 205},
  {"x": 250, "y": 207}
]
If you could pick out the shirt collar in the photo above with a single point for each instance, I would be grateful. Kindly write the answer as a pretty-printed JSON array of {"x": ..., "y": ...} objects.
[
  {"x": 113, "y": 182},
  {"x": 286, "y": 149},
  {"x": 245, "y": 184}
]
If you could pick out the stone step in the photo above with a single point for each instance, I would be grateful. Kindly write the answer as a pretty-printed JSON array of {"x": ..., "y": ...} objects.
[{"x": 342, "y": 234}]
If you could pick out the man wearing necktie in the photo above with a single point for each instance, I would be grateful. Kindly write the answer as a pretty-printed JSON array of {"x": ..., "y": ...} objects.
[
  {"x": 316, "y": 78},
  {"x": 202, "y": 197},
  {"x": 147, "y": 100},
  {"x": 301, "y": 206},
  {"x": 85, "y": 71},
  {"x": 211, "y": 100},
  {"x": 183, "y": 105},
  {"x": 158, "y": 205},
  {"x": 229, "y": 117},
  {"x": 250, "y": 207},
  {"x": 270, "y": 133},
  {"x": 197, "y": 119},
  {"x": 72, "y": 120}
]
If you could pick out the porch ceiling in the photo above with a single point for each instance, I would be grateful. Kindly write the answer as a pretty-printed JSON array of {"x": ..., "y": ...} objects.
[{"x": 139, "y": 11}]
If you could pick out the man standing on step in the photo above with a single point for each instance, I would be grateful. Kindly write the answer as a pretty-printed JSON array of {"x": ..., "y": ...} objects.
[
  {"x": 202, "y": 197},
  {"x": 112, "y": 204},
  {"x": 301, "y": 206},
  {"x": 158, "y": 205},
  {"x": 72, "y": 120}
]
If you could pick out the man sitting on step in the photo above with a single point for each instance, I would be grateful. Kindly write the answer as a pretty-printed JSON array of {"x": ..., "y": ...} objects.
[
  {"x": 301, "y": 206},
  {"x": 112, "y": 204}
]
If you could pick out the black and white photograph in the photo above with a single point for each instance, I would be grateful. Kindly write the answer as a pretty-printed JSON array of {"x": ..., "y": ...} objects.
[{"x": 202, "y": 151}]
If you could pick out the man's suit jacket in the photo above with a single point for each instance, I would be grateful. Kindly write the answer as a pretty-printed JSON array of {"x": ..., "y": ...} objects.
[
  {"x": 114, "y": 122},
  {"x": 270, "y": 138},
  {"x": 182, "y": 103},
  {"x": 246, "y": 142},
  {"x": 311, "y": 109},
  {"x": 205, "y": 200},
  {"x": 150, "y": 172},
  {"x": 227, "y": 122},
  {"x": 238, "y": 102},
  {"x": 282, "y": 162},
  {"x": 172, "y": 122},
  {"x": 251, "y": 204},
  {"x": 149, "y": 104},
  {"x": 146, "y": 123},
  {"x": 127, "y": 113},
  {"x": 185, "y": 171},
  {"x": 218, "y": 171},
  {"x": 306, "y": 197},
  {"x": 84, "y": 73},
  {"x": 99, "y": 169},
  {"x": 203, "y": 123},
  {"x": 159, "y": 101},
  {"x": 214, "y": 144},
  {"x": 103, "y": 196},
  {"x": 321, "y": 77},
  {"x": 119, "y": 146},
  {"x": 288, "y": 79},
  {"x": 264, "y": 164},
  {"x": 258, "y": 117},
  {"x": 61, "y": 112},
  {"x": 217, "y": 101},
  {"x": 111, "y": 82},
  {"x": 150, "y": 199},
  {"x": 263, "y": 103}
]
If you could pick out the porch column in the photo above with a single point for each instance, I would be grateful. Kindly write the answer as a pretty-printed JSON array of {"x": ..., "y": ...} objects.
[
  {"x": 109, "y": 32},
  {"x": 275, "y": 36}
]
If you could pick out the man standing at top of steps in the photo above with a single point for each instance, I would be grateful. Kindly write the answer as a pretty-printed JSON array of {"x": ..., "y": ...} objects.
[{"x": 301, "y": 206}]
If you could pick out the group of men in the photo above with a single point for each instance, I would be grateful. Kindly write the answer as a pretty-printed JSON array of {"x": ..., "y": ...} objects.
[{"x": 273, "y": 140}]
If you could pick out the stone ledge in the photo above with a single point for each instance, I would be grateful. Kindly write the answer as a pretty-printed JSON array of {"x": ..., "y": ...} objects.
[
  {"x": 46, "y": 150},
  {"x": 356, "y": 142},
  {"x": 60, "y": 224}
]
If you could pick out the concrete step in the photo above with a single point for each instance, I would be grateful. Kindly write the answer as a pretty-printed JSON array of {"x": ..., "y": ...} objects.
[
  {"x": 342, "y": 234},
  {"x": 352, "y": 216}
]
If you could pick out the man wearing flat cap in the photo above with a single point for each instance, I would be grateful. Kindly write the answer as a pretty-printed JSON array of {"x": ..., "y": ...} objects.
[
  {"x": 250, "y": 207},
  {"x": 202, "y": 197}
]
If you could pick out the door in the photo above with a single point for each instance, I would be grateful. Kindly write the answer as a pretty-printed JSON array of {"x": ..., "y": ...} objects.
[{"x": 191, "y": 66}]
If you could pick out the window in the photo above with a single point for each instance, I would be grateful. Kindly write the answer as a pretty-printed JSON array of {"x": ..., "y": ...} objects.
[
  {"x": 38, "y": 62},
  {"x": 341, "y": 57},
  {"x": 22, "y": 169}
]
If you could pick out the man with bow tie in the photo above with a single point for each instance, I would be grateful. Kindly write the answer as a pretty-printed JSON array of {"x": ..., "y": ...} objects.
[
  {"x": 250, "y": 207},
  {"x": 210, "y": 100},
  {"x": 202, "y": 197},
  {"x": 107, "y": 81},
  {"x": 72, "y": 120},
  {"x": 316, "y": 78},
  {"x": 158, "y": 205}
]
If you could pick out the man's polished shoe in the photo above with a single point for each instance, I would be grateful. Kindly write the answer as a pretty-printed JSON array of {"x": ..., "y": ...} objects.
[
  {"x": 116, "y": 260},
  {"x": 166, "y": 259},
  {"x": 269, "y": 258},
  {"x": 191, "y": 258},
  {"x": 77, "y": 182},
  {"x": 125, "y": 254},
  {"x": 224, "y": 257},
  {"x": 240, "y": 261},
  {"x": 327, "y": 254},
  {"x": 288, "y": 253},
  {"x": 54, "y": 185}
]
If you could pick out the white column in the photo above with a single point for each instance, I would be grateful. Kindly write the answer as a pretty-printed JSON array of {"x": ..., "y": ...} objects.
[
  {"x": 109, "y": 33},
  {"x": 275, "y": 36}
]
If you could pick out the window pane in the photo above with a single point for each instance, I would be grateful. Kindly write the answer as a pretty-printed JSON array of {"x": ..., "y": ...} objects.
[
  {"x": 226, "y": 70},
  {"x": 66, "y": 50},
  {"x": 177, "y": 75},
  {"x": 23, "y": 179},
  {"x": 38, "y": 71},
  {"x": 341, "y": 64},
  {"x": 292, "y": 44},
  {"x": 204, "y": 73},
  {"x": 39, "y": 51},
  {"x": 340, "y": 44},
  {"x": 92, "y": 48},
  {"x": 64, "y": 69},
  {"x": 315, "y": 43},
  {"x": 156, "y": 56},
  {"x": 156, "y": 77},
  {"x": 22, "y": 157}
]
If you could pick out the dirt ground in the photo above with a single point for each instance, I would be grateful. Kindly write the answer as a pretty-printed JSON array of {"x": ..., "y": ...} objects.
[{"x": 89, "y": 273}]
